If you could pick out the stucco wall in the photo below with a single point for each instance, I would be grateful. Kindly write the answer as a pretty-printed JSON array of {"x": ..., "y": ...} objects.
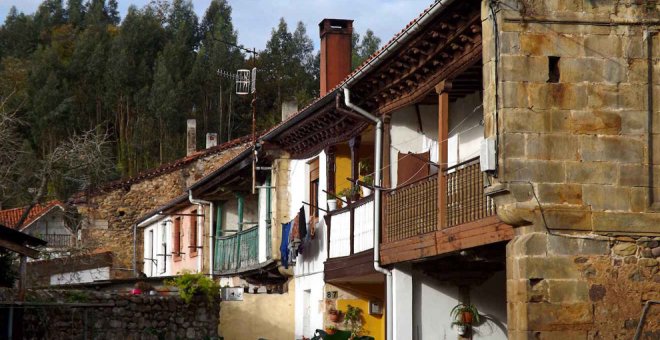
[{"x": 267, "y": 316}]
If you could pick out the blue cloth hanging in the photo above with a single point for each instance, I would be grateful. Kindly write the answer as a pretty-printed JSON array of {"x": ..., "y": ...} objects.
[{"x": 284, "y": 246}]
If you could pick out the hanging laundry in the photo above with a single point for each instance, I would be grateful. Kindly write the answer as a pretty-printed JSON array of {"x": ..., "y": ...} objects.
[
  {"x": 284, "y": 246},
  {"x": 302, "y": 223},
  {"x": 295, "y": 240}
]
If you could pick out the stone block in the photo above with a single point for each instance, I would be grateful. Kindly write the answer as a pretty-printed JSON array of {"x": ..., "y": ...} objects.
[
  {"x": 604, "y": 46},
  {"x": 560, "y": 291},
  {"x": 535, "y": 170},
  {"x": 524, "y": 68},
  {"x": 631, "y": 97},
  {"x": 639, "y": 199},
  {"x": 624, "y": 249},
  {"x": 560, "y": 193},
  {"x": 591, "y": 172},
  {"x": 557, "y": 96},
  {"x": 513, "y": 95},
  {"x": 530, "y": 244},
  {"x": 523, "y": 120},
  {"x": 595, "y": 122},
  {"x": 558, "y": 245},
  {"x": 513, "y": 145},
  {"x": 552, "y": 147},
  {"x": 633, "y": 175},
  {"x": 566, "y": 219},
  {"x": 598, "y": 70},
  {"x": 611, "y": 148},
  {"x": 556, "y": 267},
  {"x": 509, "y": 43},
  {"x": 603, "y": 96},
  {"x": 547, "y": 316},
  {"x": 552, "y": 44},
  {"x": 626, "y": 223},
  {"x": 606, "y": 197},
  {"x": 560, "y": 120}
]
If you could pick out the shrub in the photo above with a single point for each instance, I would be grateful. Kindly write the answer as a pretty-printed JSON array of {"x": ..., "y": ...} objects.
[{"x": 190, "y": 284}]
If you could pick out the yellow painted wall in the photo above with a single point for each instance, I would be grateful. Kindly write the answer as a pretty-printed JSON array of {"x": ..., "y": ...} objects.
[
  {"x": 373, "y": 324},
  {"x": 343, "y": 163},
  {"x": 268, "y": 316}
]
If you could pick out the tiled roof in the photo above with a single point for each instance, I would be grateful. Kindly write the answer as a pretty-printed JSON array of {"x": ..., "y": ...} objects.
[
  {"x": 10, "y": 217},
  {"x": 165, "y": 168},
  {"x": 364, "y": 64}
]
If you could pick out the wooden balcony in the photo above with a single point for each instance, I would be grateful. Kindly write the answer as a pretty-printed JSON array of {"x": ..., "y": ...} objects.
[
  {"x": 350, "y": 250},
  {"x": 416, "y": 225},
  {"x": 238, "y": 252}
]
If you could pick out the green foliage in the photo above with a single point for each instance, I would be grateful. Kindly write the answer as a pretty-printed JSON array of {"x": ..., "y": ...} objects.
[
  {"x": 76, "y": 296},
  {"x": 364, "y": 49},
  {"x": 353, "y": 320},
  {"x": 190, "y": 284}
]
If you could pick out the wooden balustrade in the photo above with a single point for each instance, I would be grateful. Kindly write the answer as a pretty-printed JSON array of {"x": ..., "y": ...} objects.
[
  {"x": 237, "y": 251},
  {"x": 411, "y": 210},
  {"x": 350, "y": 229}
]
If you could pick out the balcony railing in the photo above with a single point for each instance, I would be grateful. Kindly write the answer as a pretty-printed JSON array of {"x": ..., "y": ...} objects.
[
  {"x": 58, "y": 240},
  {"x": 237, "y": 251},
  {"x": 412, "y": 209},
  {"x": 351, "y": 228}
]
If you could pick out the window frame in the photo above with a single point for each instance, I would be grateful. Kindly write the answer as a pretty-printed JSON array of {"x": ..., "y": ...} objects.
[
  {"x": 176, "y": 239},
  {"x": 193, "y": 232}
]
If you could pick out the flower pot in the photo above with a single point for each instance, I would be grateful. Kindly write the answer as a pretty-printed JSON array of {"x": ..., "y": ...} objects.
[
  {"x": 366, "y": 191},
  {"x": 136, "y": 291},
  {"x": 330, "y": 331},
  {"x": 347, "y": 200},
  {"x": 467, "y": 317},
  {"x": 333, "y": 317},
  {"x": 461, "y": 329},
  {"x": 332, "y": 205}
]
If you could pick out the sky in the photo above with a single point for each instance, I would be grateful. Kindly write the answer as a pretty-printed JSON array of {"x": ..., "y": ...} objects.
[{"x": 254, "y": 19}]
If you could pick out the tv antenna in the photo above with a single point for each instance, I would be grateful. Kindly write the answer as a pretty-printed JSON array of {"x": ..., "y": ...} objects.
[{"x": 246, "y": 83}]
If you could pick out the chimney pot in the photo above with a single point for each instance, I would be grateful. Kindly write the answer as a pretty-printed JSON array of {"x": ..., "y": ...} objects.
[
  {"x": 289, "y": 108},
  {"x": 191, "y": 137},
  {"x": 336, "y": 52}
]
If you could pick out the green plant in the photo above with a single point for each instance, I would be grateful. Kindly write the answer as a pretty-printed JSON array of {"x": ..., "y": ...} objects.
[
  {"x": 464, "y": 314},
  {"x": 190, "y": 284},
  {"x": 76, "y": 296},
  {"x": 365, "y": 167},
  {"x": 368, "y": 180},
  {"x": 353, "y": 320}
]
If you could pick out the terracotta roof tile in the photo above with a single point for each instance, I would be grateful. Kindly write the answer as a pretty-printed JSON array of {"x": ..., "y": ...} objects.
[{"x": 9, "y": 217}]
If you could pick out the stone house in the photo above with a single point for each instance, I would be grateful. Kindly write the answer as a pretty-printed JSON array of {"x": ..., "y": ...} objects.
[
  {"x": 109, "y": 213},
  {"x": 47, "y": 221}
]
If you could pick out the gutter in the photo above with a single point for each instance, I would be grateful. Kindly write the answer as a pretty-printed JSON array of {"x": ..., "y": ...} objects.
[
  {"x": 378, "y": 165},
  {"x": 200, "y": 236}
]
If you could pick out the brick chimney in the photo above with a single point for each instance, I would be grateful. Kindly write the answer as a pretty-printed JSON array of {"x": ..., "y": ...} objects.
[
  {"x": 336, "y": 49},
  {"x": 191, "y": 137},
  {"x": 289, "y": 108}
]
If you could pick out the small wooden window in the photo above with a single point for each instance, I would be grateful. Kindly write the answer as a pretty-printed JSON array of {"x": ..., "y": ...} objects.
[
  {"x": 176, "y": 240},
  {"x": 193, "y": 234},
  {"x": 314, "y": 189},
  {"x": 412, "y": 167}
]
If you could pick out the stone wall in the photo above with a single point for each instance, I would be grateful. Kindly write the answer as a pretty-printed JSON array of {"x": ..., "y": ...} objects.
[
  {"x": 74, "y": 314},
  {"x": 574, "y": 288},
  {"x": 572, "y": 113},
  {"x": 112, "y": 214}
]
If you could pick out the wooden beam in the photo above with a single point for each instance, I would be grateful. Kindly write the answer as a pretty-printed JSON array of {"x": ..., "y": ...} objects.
[
  {"x": 19, "y": 248},
  {"x": 443, "y": 89}
]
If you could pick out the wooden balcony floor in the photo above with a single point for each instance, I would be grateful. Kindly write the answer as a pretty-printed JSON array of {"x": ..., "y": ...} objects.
[{"x": 469, "y": 235}]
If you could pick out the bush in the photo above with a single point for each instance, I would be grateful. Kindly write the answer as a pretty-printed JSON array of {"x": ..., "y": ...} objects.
[{"x": 190, "y": 284}]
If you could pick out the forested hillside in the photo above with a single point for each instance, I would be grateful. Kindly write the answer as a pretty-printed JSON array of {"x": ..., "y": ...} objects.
[{"x": 76, "y": 66}]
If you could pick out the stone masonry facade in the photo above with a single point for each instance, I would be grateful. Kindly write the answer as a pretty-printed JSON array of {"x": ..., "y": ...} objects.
[
  {"x": 578, "y": 162},
  {"x": 83, "y": 314},
  {"x": 112, "y": 214}
]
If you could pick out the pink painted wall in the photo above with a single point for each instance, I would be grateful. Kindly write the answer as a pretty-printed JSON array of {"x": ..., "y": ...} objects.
[{"x": 188, "y": 259}]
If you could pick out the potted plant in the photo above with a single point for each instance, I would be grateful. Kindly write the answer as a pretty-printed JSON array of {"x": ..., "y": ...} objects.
[
  {"x": 464, "y": 315},
  {"x": 333, "y": 315},
  {"x": 353, "y": 320},
  {"x": 332, "y": 202},
  {"x": 330, "y": 330},
  {"x": 346, "y": 195},
  {"x": 368, "y": 181}
]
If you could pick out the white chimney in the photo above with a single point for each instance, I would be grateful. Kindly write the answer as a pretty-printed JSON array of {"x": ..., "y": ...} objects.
[
  {"x": 288, "y": 109},
  {"x": 211, "y": 139},
  {"x": 191, "y": 141}
]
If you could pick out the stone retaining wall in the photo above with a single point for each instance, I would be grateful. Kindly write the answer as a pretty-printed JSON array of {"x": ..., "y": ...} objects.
[{"x": 64, "y": 315}]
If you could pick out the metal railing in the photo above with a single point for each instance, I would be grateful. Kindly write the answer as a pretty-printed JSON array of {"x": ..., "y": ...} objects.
[
  {"x": 413, "y": 209},
  {"x": 351, "y": 228},
  {"x": 466, "y": 201},
  {"x": 237, "y": 251},
  {"x": 59, "y": 240}
]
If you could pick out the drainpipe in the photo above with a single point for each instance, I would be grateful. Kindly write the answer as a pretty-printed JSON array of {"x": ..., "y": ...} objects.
[
  {"x": 200, "y": 235},
  {"x": 378, "y": 164}
]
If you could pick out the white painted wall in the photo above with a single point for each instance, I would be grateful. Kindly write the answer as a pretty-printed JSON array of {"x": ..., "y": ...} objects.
[
  {"x": 82, "y": 276},
  {"x": 162, "y": 244},
  {"x": 402, "y": 302},
  {"x": 406, "y": 137},
  {"x": 490, "y": 299},
  {"x": 433, "y": 302},
  {"x": 465, "y": 129},
  {"x": 308, "y": 270}
]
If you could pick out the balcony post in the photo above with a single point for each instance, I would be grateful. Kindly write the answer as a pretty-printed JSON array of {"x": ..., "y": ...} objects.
[
  {"x": 330, "y": 156},
  {"x": 442, "y": 89},
  {"x": 354, "y": 144}
]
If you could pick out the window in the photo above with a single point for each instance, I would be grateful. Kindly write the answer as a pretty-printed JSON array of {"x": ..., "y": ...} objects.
[
  {"x": 176, "y": 240},
  {"x": 192, "y": 241},
  {"x": 150, "y": 260},
  {"x": 314, "y": 189}
]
